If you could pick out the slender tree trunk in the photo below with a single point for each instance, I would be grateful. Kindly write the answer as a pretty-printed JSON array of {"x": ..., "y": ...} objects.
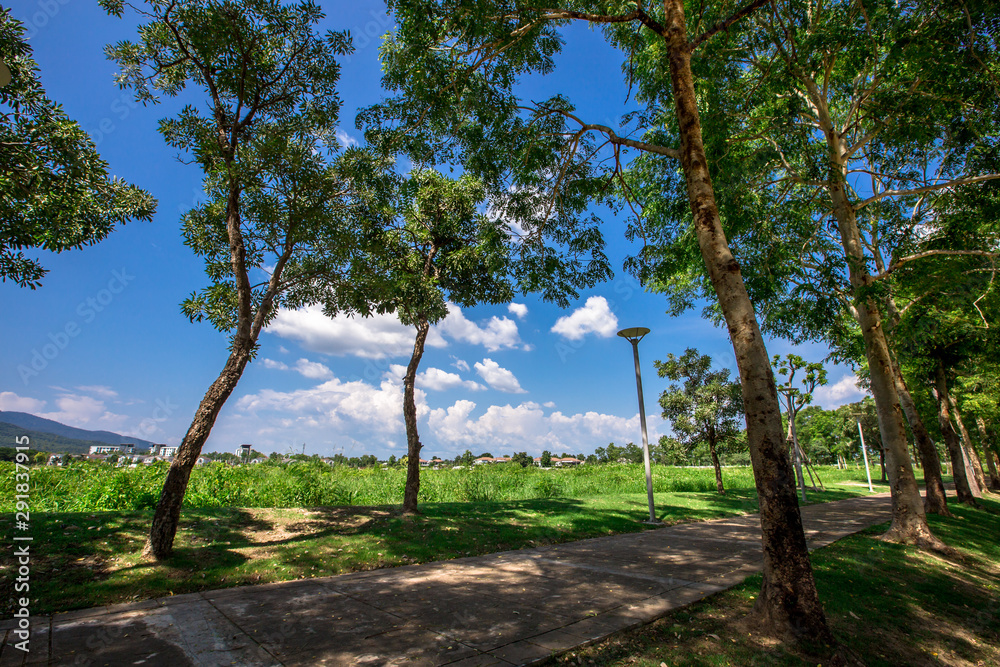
[
  {"x": 788, "y": 603},
  {"x": 971, "y": 453},
  {"x": 793, "y": 448},
  {"x": 935, "y": 498},
  {"x": 987, "y": 450},
  {"x": 958, "y": 470},
  {"x": 715, "y": 461},
  {"x": 410, "y": 417},
  {"x": 168, "y": 509},
  {"x": 909, "y": 523}
]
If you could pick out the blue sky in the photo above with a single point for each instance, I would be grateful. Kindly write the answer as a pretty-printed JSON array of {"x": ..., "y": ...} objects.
[{"x": 103, "y": 345}]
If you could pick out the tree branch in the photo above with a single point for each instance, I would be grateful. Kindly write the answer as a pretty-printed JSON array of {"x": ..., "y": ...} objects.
[{"x": 724, "y": 24}]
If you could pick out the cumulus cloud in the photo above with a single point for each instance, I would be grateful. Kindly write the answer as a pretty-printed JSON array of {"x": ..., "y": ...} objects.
[
  {"x": 384, "y": 336},
  {"x": 594, "y": 316},
  {"x": 527, "y": 427},
  {"x": 436, "y": 379},
  {"x": 498, "y": 378},
  {"x": 495, "y": 334},
  {"x": 337, "y": 404},
  {"x": 518, "y": 310},
  {"x": 460, "y": 364},
  {"x": 844, "y": 390},
  {"x": 373, "y": 337},
  {"x": 11, "y": 402}
]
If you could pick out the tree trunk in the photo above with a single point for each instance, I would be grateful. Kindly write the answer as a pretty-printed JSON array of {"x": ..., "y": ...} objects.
[
  {"x": 958, "y": 470},
  {"x": 715, "y": 461},
  {"x": 168, "y": 510},
  {"x": 909, "y": 523},
  {"x": 971, "y": 453},
  {"x": 788, "y": 603},
  {"x": 935, "y": 498},
  {"x": 410, "y": 417},
  {"x": 987, "y": 450},
  {"x": 793, "y": 447},
  {"x": 881, "y": 462}
]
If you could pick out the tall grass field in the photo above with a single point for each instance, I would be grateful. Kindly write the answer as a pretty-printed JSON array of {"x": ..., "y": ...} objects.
[{"x": 82, "y": 487}]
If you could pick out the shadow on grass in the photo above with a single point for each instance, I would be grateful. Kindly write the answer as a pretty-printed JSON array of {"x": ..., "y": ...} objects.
[{"x": 89, "y": 559}]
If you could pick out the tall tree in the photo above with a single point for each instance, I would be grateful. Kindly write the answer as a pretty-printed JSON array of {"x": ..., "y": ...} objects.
[
  {"x": 55, "y": 191},
  {"x": 796, "y": 398},
  {"x": 262, "y": 139},
  {"x": 707, "y": 408},
  {"x": 457, "y": 64},
  {"x": 440, "y": 249},
  {"x": 846, "y": 120}
]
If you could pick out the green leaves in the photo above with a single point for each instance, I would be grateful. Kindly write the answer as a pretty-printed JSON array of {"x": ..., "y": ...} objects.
[
  {"x": 707, "y": 405},
  {"x": 55, "y": 191}
]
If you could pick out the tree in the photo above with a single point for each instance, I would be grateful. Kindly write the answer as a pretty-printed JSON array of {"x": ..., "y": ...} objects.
[
  {"x": 262, "y": 140},
  {"x": 522, "y": 459},
  {"x": 706, "y": 409},
  {"x": 456, "y": 65},
  {"x": 55, "y": 191},
  {"x": 797, "y": 397},
  {"x": 546, "y": 459}
]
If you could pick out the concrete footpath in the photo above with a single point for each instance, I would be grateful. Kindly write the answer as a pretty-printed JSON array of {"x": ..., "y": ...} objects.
[{"x": 510, "y": 608}]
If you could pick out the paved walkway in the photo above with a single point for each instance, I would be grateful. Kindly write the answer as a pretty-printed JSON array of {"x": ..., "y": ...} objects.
[{"x": 504, "y": 609}]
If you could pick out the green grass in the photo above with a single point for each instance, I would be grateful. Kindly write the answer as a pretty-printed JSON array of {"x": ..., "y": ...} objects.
[
  {"x": 887, "y": 604},
  {"x": 83, "y": 559},
  {"x": 84, "y": 487}
]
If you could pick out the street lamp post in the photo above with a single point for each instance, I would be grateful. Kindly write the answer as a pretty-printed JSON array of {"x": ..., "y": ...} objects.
[
  {"x": 634, "y": 335},
  {"x": 864, "y": 451}
]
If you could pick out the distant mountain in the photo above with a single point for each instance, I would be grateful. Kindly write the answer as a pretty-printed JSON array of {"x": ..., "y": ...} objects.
[
  {"x": 44, "y": 442},
  {"x": 42, "y": 425}
]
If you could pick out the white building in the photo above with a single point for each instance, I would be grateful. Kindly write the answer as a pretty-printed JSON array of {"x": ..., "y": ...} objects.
[
  {"x": 166, "y": 451},
  {"x": 127, "y": 448}
]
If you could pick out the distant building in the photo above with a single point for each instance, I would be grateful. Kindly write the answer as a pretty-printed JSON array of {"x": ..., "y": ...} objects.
[
  {"x": 55, "y": 460},
  {"x": 202, "y": 460},
  {"x": 482, "y": 460},
  {"x": 244, "y": 451},
  {"x": 127, "y": 448}
]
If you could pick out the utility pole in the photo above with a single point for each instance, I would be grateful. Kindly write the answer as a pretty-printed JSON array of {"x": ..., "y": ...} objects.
[{"x": 634, "y": 335}]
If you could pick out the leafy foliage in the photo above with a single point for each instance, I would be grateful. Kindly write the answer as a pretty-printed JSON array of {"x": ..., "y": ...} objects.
[{"x": 55, "y": 191}]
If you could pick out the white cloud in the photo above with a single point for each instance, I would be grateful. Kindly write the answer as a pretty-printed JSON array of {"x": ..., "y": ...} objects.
[
  {"x": 460, "y": 364},
  {"x": 519, "y": 310},
  {"x": 549, "y": 404},
  {"x": 527, "y": 427},
  {"x": 593, "y": 317},
  {"x": 84, "y": 412},
  {"x": 345, "y": 139},
  {"x": 11, "y": 402},
  {"x": 497, "y": 333},
  {"x": 374, "y": 337},
  {"x": 98, "y": 390},
  {"x": 310, "y": 369},
  {"x": 337, "y": 404},
  {"x": 436, "y": 379},
  {"x": 498, "y": 378},
  {"x": 844, "y": 390},
  {"x": 313, "y": 370}
]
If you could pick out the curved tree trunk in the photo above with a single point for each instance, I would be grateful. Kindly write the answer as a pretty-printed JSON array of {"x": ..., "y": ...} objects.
[
  {"x": 958, "y": 470},
  {"x": 715, "y": 461},
  {"x": 935, "y": 498},
  {"x": 413, "y": 445},
  {"x": 968, "y": 446},
  {"x": 987, "y": 450},
  {"x": 909, "y": 523},
  {"x": 788, "y": 603},
  {"x": 168, "y": 510}
]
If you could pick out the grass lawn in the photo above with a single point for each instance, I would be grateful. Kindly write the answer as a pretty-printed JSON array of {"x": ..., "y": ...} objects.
[
  {"x": 85, "y": 559},
  {"x": 888, "y": 604}
]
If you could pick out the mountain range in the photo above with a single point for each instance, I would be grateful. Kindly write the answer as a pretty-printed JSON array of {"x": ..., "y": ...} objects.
[{"x": 52, "y": 436}]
